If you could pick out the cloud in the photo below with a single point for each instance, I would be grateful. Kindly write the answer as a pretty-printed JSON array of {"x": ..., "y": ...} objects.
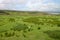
[
  {"x": 1, "y": 1},
  {"x": 44, "y": 5},
  {"x": 2, "y": 6},
  {"x": 31, "y": 5},
  {"x": 14, "y": 1}
]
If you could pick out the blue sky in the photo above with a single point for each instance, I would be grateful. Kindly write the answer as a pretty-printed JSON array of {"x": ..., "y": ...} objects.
[{"x": 31, "y": 5}]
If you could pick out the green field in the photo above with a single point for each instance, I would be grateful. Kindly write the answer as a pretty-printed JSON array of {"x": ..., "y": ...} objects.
[{"x": 16, "y": 27}]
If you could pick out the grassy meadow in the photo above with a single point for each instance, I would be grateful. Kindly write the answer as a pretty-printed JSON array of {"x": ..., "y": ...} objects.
[{"x": 29, "y": 26}]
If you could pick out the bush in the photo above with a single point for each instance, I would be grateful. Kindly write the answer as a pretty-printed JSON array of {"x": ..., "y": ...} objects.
[
  {"x": 54, "y": 34},
  {"x": 34, "y": 20},
  {"x": 24, "y": 31},
  {"x": 1, "y": 31},
  {"x": 24, "y": 35},
  {"x": 9, "y": 34},
  {"x": 38, "y": 28},
  {"x": 58, "y": 25},
  {"x": 11, "y": 19},
  {"x": 4, "y": 13},
  {"x": 17, "y": 35},
  {"x": 20, "y": 27},
  {"x": 1, "y": 35},
  {"x": 30, "y": 29}
]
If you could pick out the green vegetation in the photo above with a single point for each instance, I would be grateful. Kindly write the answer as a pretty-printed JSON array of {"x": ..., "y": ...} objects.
[
  {"x": 54, "y": 34},
  {"x": 29, "y": 26},
  {"x": 34, "y": 20},
  {"x": 20, "y": 27}
]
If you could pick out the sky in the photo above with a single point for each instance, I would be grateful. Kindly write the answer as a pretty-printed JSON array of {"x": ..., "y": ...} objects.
[{"x": 30, "y": 5}]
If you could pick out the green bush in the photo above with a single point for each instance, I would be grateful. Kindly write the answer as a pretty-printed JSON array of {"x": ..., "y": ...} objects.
[
  {"x": 30, "y": 29},
  {"x": 17, "y": 35},
  {"x": 1, "y": 31},
  {"x": 34, "y": 20},
  {"x": 2, "y": 22},
  {"x": 20, "y": 27},
  {"x": 1, "y": 35},
  {"x": 38, "y": 28},
  {"x": 54, "y": 34},
  {"x": 11, "y": 19},
  {"x": 9, "y": 34},
  {"x": 24, "y": 31},
  {"x": 24, "y": 35}
]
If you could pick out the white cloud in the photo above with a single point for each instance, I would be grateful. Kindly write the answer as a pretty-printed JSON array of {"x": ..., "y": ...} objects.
[
  {"x": 14, "y": 1},
  {"x": 1, "y": 1},
  {"x": 38, "y": 5},
  {"x": 42, "y": 6},
  {"x": 2, "y": 6}
]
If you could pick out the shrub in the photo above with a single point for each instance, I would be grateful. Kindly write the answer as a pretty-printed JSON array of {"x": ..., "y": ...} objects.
[
  {"x": 38, "y": 28},
  {"x": 1, "y": 31},
  {"x": 4, "y": 13},
  {"x": 11, "y": 19},
  {"x": 34, "y": 20},
  {"x": 9, "y": 34},
  {"x": 30, "y": 29},
  {"x": 24, "y": 31},
  {"x": 24, "y": 35},
  {"x": 58, "y": 25},
  {"x": 20, "y": 27},
  {"x": 54, "y": 34},
  {"x": 17, "y": 35},
  {"x": 6, "y": 33},
  {"x": 13, "y": 33},
  {"x": 1, "y": 35}
]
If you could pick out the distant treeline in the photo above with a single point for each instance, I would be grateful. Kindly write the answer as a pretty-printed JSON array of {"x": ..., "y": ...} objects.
[
  {"x": 12, "y": 12},
  {"x": 3, "y": 13}
]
